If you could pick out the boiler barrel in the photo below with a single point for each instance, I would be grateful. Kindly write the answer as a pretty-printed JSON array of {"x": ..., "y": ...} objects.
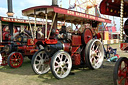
[{"x": 60, "y": 46}]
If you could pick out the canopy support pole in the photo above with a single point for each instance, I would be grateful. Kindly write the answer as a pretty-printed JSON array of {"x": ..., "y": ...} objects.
[
  {"x": 35, "y": 28},
  {"x": 121, "y": 20},
  {"x": 0, "y": 31},
  {"x": 51, "y": 25},
  {"x": 46, "y": 26},
  {"x": 30, "y": 27}
]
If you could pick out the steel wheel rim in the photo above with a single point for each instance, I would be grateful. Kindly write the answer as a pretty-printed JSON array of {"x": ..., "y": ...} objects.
[
  {"x": 123, "y": 73},
  {"x": 16, "y": 60},
  {"x": 41, "y": 63},
  {"x": 62, "y": 64},
  {"x": 96, "y": 54}
]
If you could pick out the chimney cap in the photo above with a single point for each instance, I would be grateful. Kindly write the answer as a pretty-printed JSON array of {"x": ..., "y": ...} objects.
[{"x": 10, "y": 14}]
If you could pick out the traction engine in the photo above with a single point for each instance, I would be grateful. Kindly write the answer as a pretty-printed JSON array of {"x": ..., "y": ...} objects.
[{"x": 14, "y": 48}]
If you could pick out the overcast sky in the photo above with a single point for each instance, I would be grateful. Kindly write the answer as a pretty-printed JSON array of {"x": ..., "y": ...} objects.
[{"x": 19, "y": 5}]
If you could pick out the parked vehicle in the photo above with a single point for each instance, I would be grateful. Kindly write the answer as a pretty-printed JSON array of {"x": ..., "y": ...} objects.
[
  {"x": 119, "y": 8},
  {"x": 14, "y": 48},
  {"x": 67, "y": 48}
]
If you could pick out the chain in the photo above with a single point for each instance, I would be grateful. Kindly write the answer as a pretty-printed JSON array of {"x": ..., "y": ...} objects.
[{"x": 121, "y": 20}]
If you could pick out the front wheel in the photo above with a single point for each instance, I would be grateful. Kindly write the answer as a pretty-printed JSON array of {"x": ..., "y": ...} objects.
[
  {"x": 15, "y": 60},
  {"x": 61, "y": 64},
  {"x": 40, "y": 62},
  {"x": 120, "y": 73}
]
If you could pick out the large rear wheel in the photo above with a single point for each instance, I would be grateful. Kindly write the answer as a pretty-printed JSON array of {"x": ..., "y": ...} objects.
[
  {"x": 40, "y": 62},
  {"x": 120, "y": 73},
  {"x": 94, "y": 54},
  {"x": 61, "y": 64}
]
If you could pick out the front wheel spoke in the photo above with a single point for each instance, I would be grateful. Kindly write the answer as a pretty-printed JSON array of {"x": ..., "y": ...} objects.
[
  {"x": 126, "y": 81},
  {"x": 60, "y": 57},
  {"x": 61, "y": 73},
  {"x": 12, "y": 59},
  {"x": 37, "y": 64},
  {"x": 65, "y": 67},
  {"x": 43, "y": 68},
  {"x": 14, "y": 62},
  {"x": 121, "y": 80},
  {"x": 63, "y": 70},
  {"x": 92, "y": 59},
  {"x": 93, "y": 47},
  {"x": 66, "y": 62},
  {"x": 18, "y": 58},
  {"x": 124, "y": 73},
  {"x": 98, "y": 56},
  {"x": 39, "y": 67},
  {"x": 92, "y": 52},
  {"x": 15, "y": 56},
  {"x": 97, "y": 62},
  {"x": 37, "y": 60},
  {"x": 45, "y": 57},
  {"x": 57, "y": 66},
  {"x": 97, "y": 48},
  {"x": 65, "y": 59},
  {"x": 56, "y": 62},
  {"x": 123, "y": 69},
  {"x": 40, "y": 56},
  {"x": 57, "y": 70}
]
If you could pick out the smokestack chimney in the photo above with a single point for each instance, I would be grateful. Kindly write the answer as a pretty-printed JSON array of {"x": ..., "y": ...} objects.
[
  {"x": 55, "y": 2},
  {"x": 10, "y": 10}
]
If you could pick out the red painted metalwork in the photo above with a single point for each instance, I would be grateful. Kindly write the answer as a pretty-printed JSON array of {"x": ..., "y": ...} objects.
[
  {"x": 28, "y": 50},
  {"x": 76, "y": 59},
  {"x": 87, "y": 35},
  {"x": 74, "y": 49},
  {"x": 51, "y": 41},
  {"x": 30, "y": 42},
  {"x": 98, "y": 35},
  {"x": 67, "y": 47},
  {"x": 6, "y": 36},
  {"x": 15, "y": 60},
  {"x": 1, "y": 46},
  {"x": 124, "y": 46},
  {"x": 76, "y": 40},
  {"x": 113, "y": 8}
]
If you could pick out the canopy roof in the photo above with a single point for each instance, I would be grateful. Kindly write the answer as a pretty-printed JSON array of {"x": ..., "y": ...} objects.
[
  {"x": 112, "y": 7},
  {"x": 63, "y": 14},
  {"x": 21, "y": 21}
]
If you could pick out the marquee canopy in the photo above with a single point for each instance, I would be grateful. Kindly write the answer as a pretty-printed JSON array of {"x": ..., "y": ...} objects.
[
  {"x": 112, "y": 7},
  {"x": 63, "y": 14}
]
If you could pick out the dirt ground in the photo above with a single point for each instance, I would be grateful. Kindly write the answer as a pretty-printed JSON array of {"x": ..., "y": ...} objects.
[{"x": 25, "y": 76}]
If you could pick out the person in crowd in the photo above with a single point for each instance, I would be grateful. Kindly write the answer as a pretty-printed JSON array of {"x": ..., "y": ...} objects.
[{"x": 109, "y": 51}]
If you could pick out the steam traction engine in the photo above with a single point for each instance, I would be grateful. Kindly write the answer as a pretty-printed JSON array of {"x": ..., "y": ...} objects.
[
  {"x": 119, "y": 8},
  {"x": 14, "y": 48},
  {"x": 60, "y": 51}
]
